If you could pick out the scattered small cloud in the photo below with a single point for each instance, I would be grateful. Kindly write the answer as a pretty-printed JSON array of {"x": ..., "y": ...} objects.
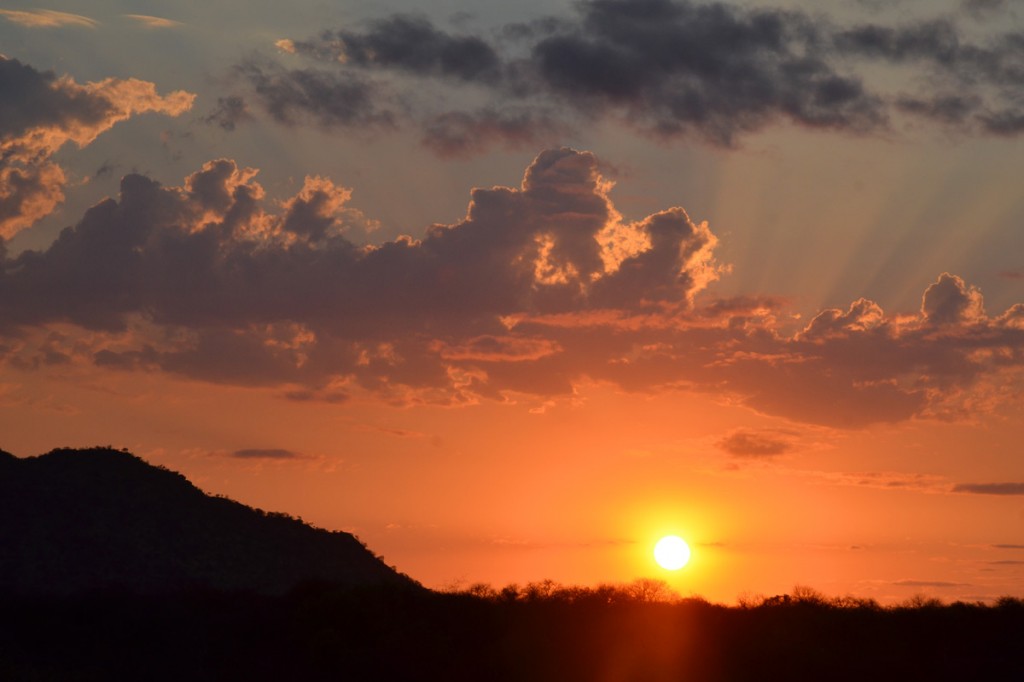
[
  {"x": 1005, "y": 546},
  {"x": 1012, "y": 274},
  {"x": 1006, "y": 562},
  {"x": 105, "y": 170},
  {"x": 757, "y": 443},
  {"x": 990, "y": 488},
  {"x": 230, "y": 111},
  {"x": 528, "y": 544}
]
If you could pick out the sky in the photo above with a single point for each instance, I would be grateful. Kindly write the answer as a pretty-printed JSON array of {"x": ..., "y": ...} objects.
[{"x": 512, "y": 290}]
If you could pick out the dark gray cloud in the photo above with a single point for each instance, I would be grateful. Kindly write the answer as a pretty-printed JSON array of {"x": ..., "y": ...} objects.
[
  {"x": 990, "y": 488},
  {"x": 714, "y": 69},
  {"x": 979, "y": 85},
  {"x": 540, "y": 287},
  {"x": 330, "y": 98},
  {"x": 409, "y": 43},
  {"x": 666, "y": 67},
  {"x": 756, "y": 443},
  {"x": 266, "y": 453}
]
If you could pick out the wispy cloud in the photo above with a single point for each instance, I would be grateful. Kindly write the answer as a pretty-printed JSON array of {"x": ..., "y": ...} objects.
[
  {"x": 153, "y": 22},
  {"x": 990, "y": 488},
  {"x": 267, "y": 453},
  {"x": 882, "y": 480},
  {"x": 928, "y": 583},
  {"x": 45, "y": 18}
]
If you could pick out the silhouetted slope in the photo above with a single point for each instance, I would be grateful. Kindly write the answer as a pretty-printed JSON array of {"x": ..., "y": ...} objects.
[{"x": 74, "y": 520}]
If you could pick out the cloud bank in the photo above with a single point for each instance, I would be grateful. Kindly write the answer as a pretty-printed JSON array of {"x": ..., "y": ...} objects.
[
  {"x": 669, "y": 68},
  {"x": 539, "y": 289}
]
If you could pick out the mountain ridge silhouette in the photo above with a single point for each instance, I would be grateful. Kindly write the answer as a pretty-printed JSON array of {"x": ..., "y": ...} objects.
[{"x": 94, "y": 518}]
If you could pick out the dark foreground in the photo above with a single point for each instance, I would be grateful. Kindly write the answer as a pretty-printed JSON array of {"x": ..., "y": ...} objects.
[{"x": 542, "y": 632}]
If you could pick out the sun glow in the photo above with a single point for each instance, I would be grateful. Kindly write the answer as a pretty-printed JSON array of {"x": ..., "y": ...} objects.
[{"x": 672, "y": 552}]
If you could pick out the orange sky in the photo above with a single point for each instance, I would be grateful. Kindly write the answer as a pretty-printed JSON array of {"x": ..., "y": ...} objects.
[{"x": 524, "y": 332}]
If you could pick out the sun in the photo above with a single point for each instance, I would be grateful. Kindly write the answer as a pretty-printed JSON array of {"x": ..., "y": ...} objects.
[{"x": 672, "y": 552}]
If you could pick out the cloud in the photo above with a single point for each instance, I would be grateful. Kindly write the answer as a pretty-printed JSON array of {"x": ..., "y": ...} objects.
[
  {"x": 462, "y": 133},
  {"x": 540, "y": 289},
  {"x": 950, "y": 301},
  {"x": 328, "y": 98},
  {"x": 884, "y": 480},
  {"x": 410, "y": 44},
  {"x": 266, "y": 453},
  {"x": 1008, "y": 546},
  {"x": 1006, "y": 562},
  {"x": 41, "y": 115},
  {"x": 668, "y": 68},
  {"x": 229, "y": 113},
  {"x": 45, "y": 18},
  {"x": 153, "y": 22},
  {"x": 928, "y": 583},
  {"x": 756, "y": 443},
  {"x": 982, "y": 8},
  {"x": 990, "y": 488},
  {"x": 977, "y": 84}
]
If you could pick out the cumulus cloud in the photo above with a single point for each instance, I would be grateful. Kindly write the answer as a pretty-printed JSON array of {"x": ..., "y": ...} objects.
[
  {"x": 990, "y": 489},
  {"x": 42, "y": 113},
  {"x": 668, "y": 68},
  {"x": 540, "y": 288}
]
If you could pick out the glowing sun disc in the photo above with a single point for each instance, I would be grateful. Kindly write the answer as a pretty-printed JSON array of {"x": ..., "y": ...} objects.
[{"x": 672, "y": 552}]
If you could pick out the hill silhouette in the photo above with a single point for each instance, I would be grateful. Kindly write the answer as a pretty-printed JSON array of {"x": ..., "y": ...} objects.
[
  {"x": 99, "y": 518},
  {"x": 112, "y": 569}
]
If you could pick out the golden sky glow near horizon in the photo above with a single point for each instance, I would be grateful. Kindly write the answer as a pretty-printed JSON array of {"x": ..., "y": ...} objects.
[{"x": 424, "y": 274}]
